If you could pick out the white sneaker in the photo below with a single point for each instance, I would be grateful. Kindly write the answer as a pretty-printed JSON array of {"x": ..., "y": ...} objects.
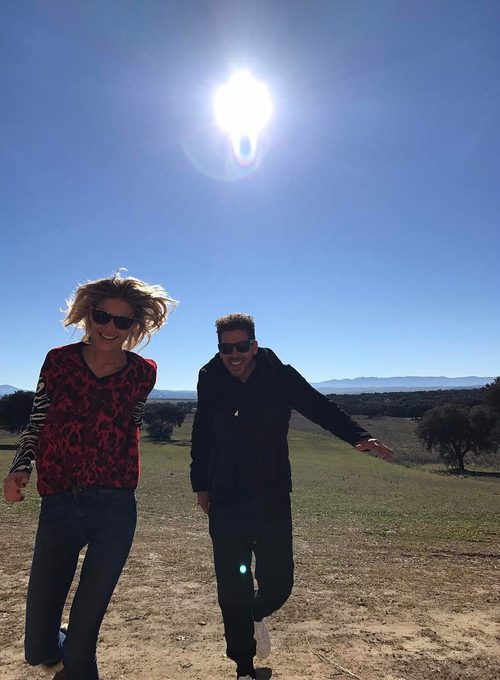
[
  {"x": 50, "y": 670},
  {"x": 262, "y": 638}
]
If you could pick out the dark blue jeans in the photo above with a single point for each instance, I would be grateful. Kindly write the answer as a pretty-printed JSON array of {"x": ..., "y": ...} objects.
[
  {"x": 104, "y": 520},
  {"x": 262, "y": 527}
]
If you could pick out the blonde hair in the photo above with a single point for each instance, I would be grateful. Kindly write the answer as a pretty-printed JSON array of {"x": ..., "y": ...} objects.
[{"x": 151, "y": 304}]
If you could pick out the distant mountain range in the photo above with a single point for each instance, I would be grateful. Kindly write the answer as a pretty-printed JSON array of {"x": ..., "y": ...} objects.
[
  {"x": 155, "y": 394},
  {"x": 7, "y": 389},
  {"x": 409, "y": 383},
  {"x": 173, "y": 394}
]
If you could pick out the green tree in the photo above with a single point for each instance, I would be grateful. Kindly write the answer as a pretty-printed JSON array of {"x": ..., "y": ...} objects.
[
  {"x": 371, "y": 411},
  {"x": 417, "y": 410},
  {"x": 492, "y": 395},
  {"x": 15, "y": 410},
  {"x": 453, "y": 431},
  {"x": 161, "y": 418}
]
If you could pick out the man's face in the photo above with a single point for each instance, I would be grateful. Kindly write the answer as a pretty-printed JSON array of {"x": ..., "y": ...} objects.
[{"x": 239, "y": 364}]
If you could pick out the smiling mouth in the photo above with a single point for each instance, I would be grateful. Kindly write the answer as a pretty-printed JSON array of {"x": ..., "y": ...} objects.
[{"x": 108, "y": 337}]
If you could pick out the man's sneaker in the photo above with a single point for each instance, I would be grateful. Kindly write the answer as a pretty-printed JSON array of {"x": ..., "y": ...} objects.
[
  {"x": 60, "y": 675},
  {"x": 50, "y": 668},
  {"x": 262, "y": 638}
]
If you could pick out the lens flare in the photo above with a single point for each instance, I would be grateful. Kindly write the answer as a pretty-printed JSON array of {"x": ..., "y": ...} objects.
[
  {"x": 243, "y": 108},
  {"x": 243, "y": 569}
]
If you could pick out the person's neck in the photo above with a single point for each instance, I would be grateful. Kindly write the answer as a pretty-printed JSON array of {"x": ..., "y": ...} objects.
[{"x": 100, "y": 359}]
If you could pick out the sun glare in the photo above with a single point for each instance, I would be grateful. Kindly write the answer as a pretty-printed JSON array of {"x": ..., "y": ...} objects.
[{"x": 243, "y": 108}]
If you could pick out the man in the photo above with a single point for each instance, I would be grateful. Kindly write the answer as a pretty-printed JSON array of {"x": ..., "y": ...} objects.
[{"x": 240, "y": 471}]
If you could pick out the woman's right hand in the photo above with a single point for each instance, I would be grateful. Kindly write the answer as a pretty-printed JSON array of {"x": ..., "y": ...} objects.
[{"x": 13, "y": 486}]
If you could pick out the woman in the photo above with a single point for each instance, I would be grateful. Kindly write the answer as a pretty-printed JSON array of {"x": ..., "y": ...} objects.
[{"x": 83, "y": 434}]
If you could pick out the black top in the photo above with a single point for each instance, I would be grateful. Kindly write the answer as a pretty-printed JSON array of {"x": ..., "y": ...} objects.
[{"x": 239, "y": 442}]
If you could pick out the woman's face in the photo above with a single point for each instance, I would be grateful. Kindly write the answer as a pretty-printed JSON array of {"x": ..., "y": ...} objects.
[{"x": 108, "y": 334}]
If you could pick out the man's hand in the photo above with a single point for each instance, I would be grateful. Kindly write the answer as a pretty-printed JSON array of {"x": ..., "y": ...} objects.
[
  {"x": 375, "y": 445},
  {"x": 203, "y": 501},
  {"x": 13, "y": 486}
]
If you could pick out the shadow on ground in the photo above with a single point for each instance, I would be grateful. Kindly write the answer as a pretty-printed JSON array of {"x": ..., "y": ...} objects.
[{"x": 473, "y": 473}]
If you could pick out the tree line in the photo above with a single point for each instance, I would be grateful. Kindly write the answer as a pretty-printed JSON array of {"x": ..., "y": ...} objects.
[
  {"x": 453, "y": 423},
  {"x": 160, "y": 417},
  {"x": 405, "y": 404}
]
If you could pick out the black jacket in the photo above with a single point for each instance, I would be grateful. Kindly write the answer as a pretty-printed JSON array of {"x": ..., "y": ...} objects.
[{"x": 239, "y": 442}]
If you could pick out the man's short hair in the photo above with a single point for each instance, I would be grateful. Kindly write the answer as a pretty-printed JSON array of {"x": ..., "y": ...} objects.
[{"x": 236, "y": 322}]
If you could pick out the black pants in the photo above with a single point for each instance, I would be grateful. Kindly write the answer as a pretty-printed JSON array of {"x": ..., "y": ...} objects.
[{"x": 264, "y": 528}]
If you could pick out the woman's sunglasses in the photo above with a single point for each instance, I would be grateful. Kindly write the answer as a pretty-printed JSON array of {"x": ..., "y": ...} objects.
[
  {"x": 241, "y": 347},
  {"x": 123, "y": 323}
]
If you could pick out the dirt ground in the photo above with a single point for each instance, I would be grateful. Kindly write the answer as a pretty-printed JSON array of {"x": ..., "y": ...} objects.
[{"x": 363, "y": 606}]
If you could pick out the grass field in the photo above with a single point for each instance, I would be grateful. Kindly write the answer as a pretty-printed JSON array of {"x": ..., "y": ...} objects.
[{"x": 396, "y": 574}]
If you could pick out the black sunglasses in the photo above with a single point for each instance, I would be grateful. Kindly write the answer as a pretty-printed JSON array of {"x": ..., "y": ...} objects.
[
  {"x": 241, "y": 347},
  {"x": 123, "y": 323}
]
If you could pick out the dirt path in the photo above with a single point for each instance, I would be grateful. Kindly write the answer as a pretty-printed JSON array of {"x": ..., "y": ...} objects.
[{"x": 362, "y": 607}]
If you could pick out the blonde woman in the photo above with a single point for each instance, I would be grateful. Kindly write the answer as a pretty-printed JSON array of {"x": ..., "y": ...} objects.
[{"x": 83, "y": 437}]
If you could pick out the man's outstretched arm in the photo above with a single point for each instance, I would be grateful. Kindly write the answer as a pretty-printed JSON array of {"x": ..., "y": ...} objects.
[{"x": 318, "y": 408}]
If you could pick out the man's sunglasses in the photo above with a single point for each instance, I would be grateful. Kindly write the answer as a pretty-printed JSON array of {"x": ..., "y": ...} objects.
[
  {"x": 123, "y": 323},
  {"x": 241, "y": 347}
]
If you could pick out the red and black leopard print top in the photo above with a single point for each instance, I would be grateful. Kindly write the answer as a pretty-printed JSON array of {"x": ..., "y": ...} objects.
[{"x": 84, "y": 430}]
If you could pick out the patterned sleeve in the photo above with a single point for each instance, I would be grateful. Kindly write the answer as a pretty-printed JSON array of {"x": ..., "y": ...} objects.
[
  {"x": 149, "y": 382},
  {"x": 138, "y": 412},
  {"x": 28, "y": 442}
]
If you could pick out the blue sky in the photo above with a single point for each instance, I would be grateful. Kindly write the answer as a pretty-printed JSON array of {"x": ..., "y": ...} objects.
[{"x": 365, "y": 242}]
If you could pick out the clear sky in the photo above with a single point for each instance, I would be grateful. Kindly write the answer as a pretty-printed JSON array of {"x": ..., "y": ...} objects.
[{"x": 365, "y": 242}]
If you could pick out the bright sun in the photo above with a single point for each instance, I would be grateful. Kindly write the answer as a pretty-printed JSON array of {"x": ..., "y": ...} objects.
[{"x": 243, "y": 108}]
